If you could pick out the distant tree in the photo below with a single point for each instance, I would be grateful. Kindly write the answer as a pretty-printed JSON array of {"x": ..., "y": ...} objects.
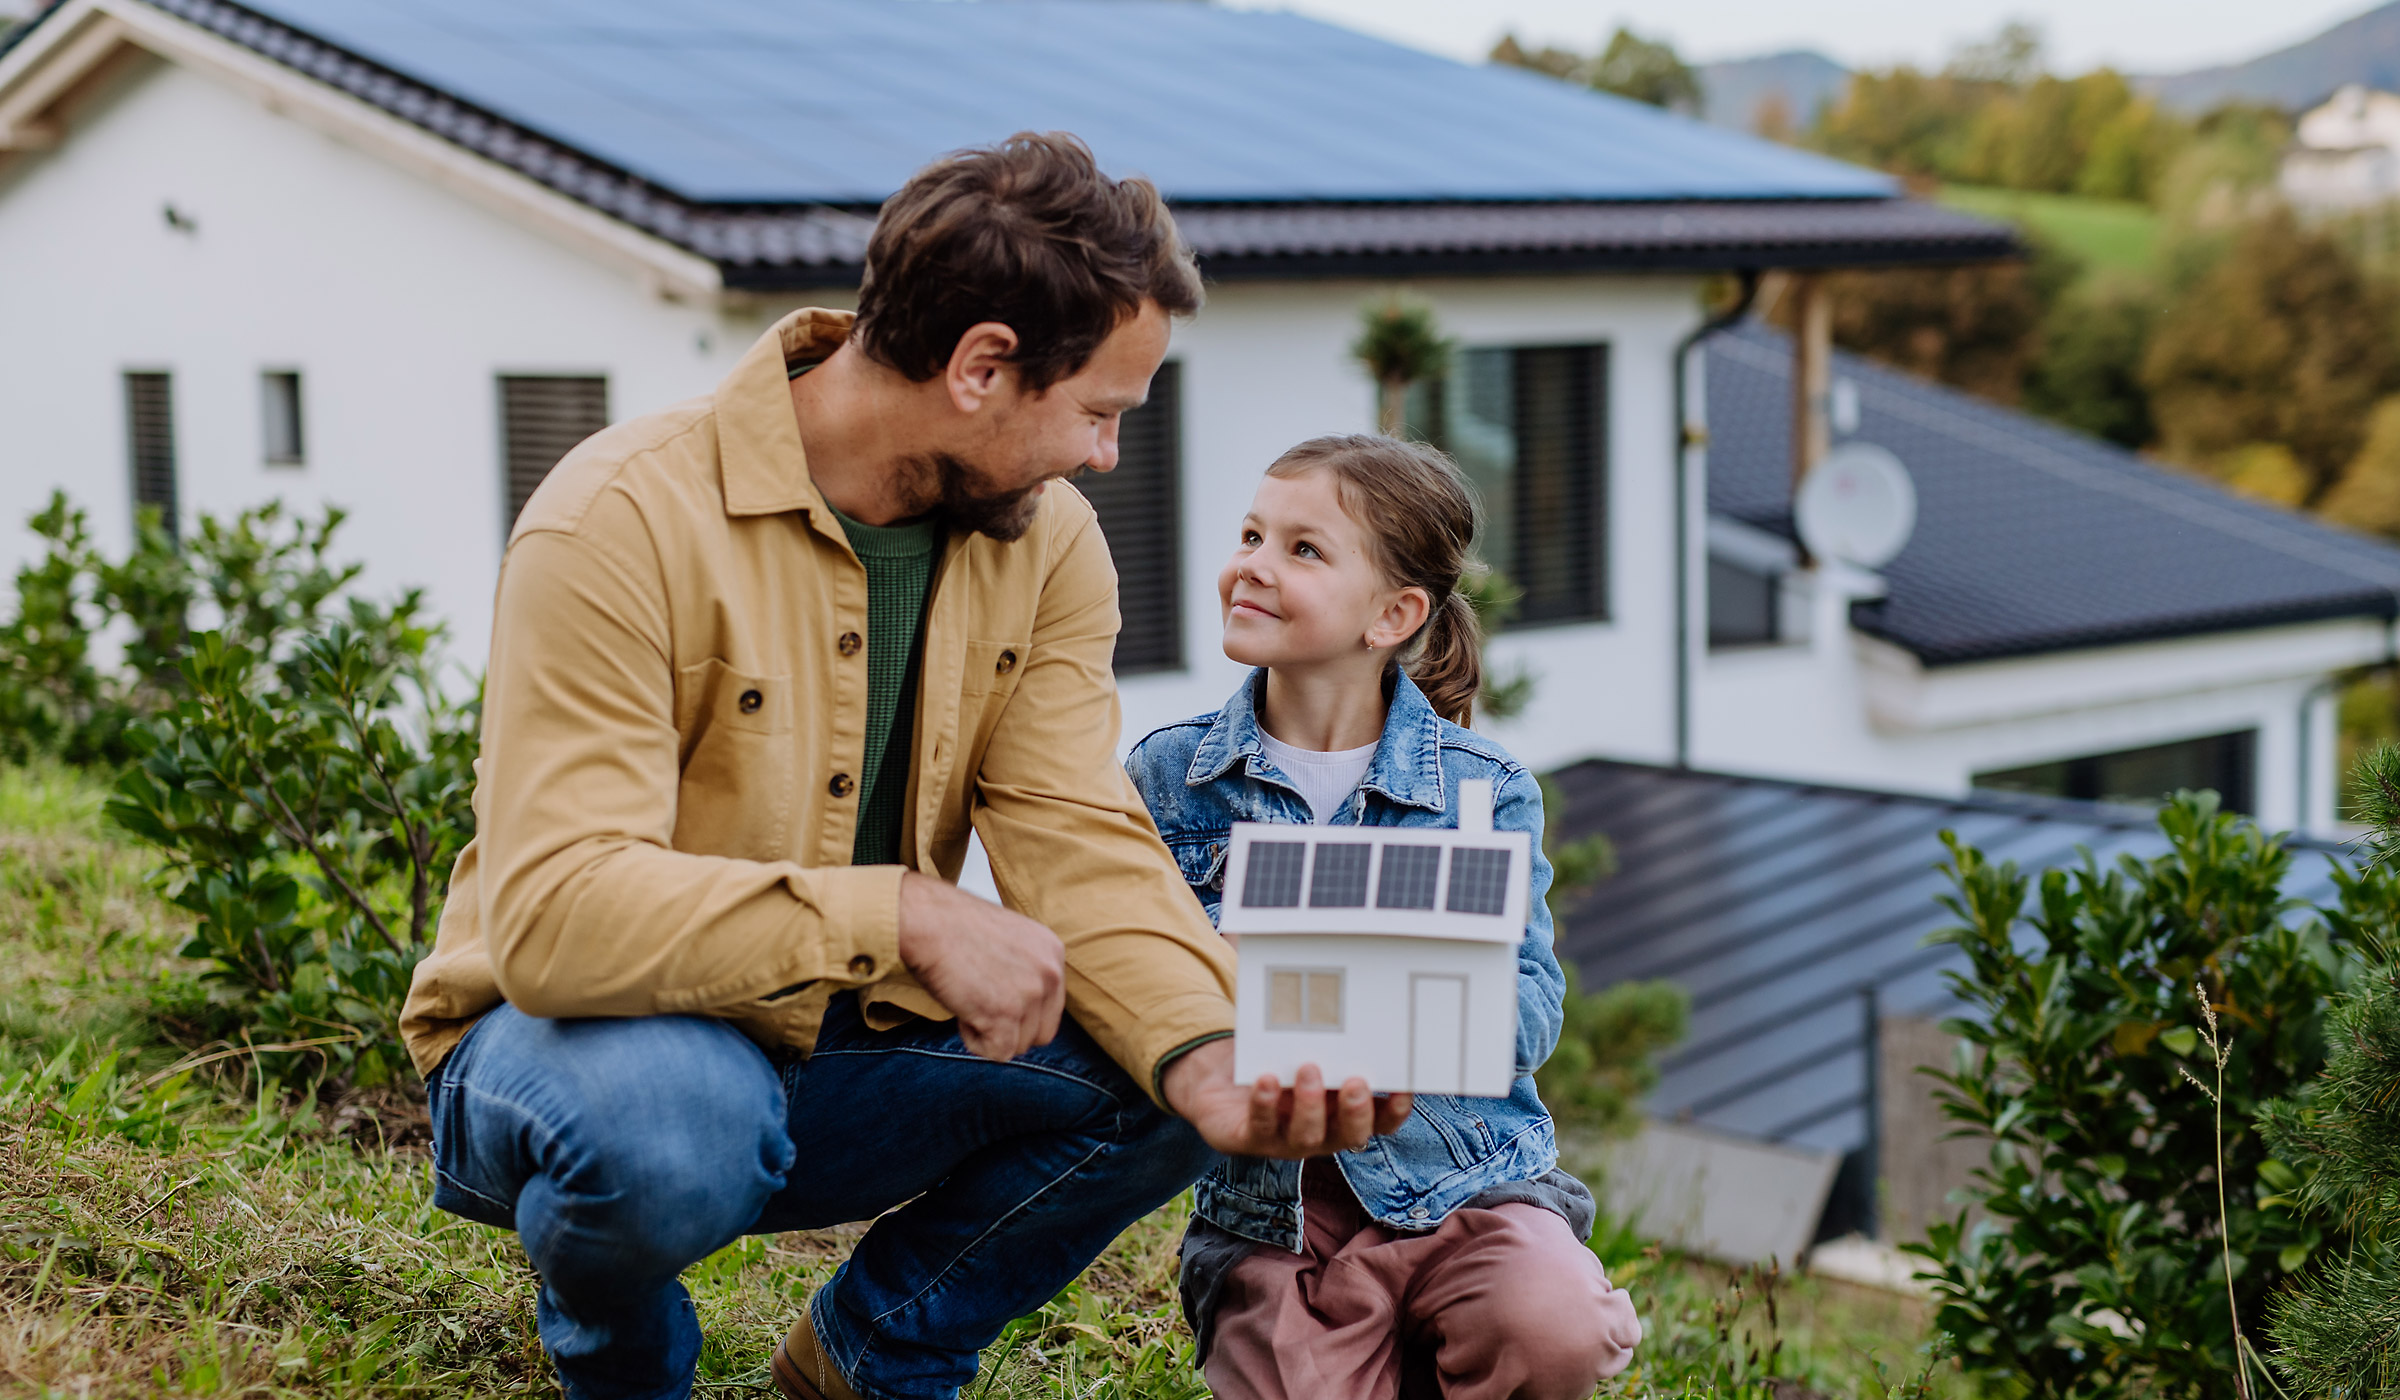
[
  {"x": 1908, "y": 122},
  {"x": 2281, "y": 341},
  {"x": 1974, "y": 328},
  {"x": 1645, "y": 70},
  {"x": 1993, "y": 117},
  {"x": 1558, "y": 63},
  {"x": 2368, "y": 495},
  {"x": 2088, "y": 372},
  {"x": 2012, "y": 57}
]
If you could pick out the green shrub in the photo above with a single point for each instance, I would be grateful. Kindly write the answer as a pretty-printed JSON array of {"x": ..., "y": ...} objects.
[
  {"x": 2098, "y": 1271},
  {"x": 300, "y": 769},
  {"x": 309, "y": 807},
  {"x": 55, "y": 701},
  {"x": 1607, "y": 1047},
  {"x": 2337, "y": 1329}
]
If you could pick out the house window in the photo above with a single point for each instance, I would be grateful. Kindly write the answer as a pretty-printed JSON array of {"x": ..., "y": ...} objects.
[
  {"x": 1529, "y": 426},
  {"x": 2227, "y": 763},
  {"x": 1742, "y": 605},
  {"x": 1141, "y": 515},
  {"x": 1304, "y": 999},
  {"x": 542, "y": 418},
  {"x": 150, "y": 445},
  {"x": 279, "y": 402}
]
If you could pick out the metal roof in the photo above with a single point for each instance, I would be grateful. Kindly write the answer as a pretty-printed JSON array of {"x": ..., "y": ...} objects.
[
  {"x": 2032, "y": 537},
  {"x": 1780, "y": 905},
  {"x": 838, "y": 101},
  {"x": 762, "y": 135}
]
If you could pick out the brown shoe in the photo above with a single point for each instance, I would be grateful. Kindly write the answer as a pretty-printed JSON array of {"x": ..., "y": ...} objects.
[{"x": 802, "y": 1369}]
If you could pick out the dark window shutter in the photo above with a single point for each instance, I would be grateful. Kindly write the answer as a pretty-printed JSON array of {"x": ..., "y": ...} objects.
[
  {"x": 150, "y": 443},
  {"x": 1560, "y": 508},
  {"x": 1141, "y": 514},
  {"x": 542, "y": 418}
]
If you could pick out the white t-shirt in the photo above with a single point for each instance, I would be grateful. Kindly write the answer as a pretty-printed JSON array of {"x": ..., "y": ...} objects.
[{"x": 1325, "y": 779}]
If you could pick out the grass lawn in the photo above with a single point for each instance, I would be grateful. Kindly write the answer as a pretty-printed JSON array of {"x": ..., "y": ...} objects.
[
  {"x": 2108, "y": 234},
  {"x": 164, "y": 1232}
]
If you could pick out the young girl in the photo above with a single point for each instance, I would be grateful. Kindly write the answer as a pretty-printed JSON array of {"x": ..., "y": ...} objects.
[{"x": 1447, "y": 1258}]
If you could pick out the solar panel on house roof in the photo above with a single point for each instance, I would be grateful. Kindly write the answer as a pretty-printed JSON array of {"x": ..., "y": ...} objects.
[{"x": 837, "y": 101}]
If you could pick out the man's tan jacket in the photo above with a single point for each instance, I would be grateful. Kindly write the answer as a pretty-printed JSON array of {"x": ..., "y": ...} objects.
[{"x": 672, "y": 734}]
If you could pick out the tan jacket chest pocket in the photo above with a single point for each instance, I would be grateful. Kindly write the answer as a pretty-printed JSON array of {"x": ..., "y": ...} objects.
[{"x": 734, "y": 730}]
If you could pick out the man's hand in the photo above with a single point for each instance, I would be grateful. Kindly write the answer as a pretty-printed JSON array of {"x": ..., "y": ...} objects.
[
  {"x": 1003, "y": 975},
  {"x": 1267, "y": 1120}
]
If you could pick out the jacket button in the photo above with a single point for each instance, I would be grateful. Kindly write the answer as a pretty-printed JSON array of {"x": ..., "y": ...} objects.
[
  {"x": 841, "y": 785},
  {"x": 1418, "y": 1212},
  {"x": 862, "y": 966},
  {"x": 849, "y": 644},
  {"x": 750, "y": 702},
  {"x": 1008, "y": 662}
]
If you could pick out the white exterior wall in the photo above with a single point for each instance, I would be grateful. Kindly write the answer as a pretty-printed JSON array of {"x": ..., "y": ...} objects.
[
  {"x": 397, "y": 302},
  {"x": 1268, "y": 365},
  {"x": 400, "y": 300}
]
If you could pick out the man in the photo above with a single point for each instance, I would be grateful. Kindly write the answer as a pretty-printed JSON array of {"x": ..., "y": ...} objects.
[{"x": 758, "y": 662}]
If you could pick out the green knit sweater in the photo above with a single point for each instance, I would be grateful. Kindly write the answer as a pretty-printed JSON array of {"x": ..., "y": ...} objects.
[{"x": 899, "y": 560}]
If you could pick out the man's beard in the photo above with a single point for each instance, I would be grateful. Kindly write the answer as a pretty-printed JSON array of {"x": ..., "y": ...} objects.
[{"x": 966, "y": 499}]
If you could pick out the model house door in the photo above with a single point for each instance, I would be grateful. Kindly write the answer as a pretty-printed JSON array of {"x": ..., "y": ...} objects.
[{"x": 1437, "y": 1033}]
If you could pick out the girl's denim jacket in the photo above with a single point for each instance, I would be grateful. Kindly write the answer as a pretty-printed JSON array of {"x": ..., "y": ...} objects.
[{"x": 1201, "y": 776}]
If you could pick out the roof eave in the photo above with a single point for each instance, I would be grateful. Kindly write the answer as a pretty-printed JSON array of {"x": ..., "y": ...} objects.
[{"x": 2380, "y": 606}]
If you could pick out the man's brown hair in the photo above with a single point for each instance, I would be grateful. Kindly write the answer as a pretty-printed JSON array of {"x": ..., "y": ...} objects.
[{"x": 1028, "y": 233}]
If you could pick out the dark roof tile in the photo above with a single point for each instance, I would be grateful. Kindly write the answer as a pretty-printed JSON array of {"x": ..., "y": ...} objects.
[{"x": 2031, "y": 537}]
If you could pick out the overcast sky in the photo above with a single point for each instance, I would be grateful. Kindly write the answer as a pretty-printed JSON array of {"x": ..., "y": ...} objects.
[{"x": 2143, "y": 36}]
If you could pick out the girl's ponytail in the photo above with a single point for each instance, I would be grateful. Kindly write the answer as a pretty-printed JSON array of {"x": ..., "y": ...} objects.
[
  {"x": 1419, "y": 515},
  {"x": 1448, "y": 660}
]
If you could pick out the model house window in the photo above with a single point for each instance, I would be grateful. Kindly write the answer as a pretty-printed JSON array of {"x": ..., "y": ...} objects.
[
  {"x": 542, "y": 417},
  {"x": 150, "y": 444},
  {"x": 1529, "y": 426},
  {"x": 1141, "y": 514},
  {"x": 2227, "y": 763},
  {"x": 1742, "y": 605},
  {"x": 279, "y": 403},
  {"x": 1304, "y": 999}
]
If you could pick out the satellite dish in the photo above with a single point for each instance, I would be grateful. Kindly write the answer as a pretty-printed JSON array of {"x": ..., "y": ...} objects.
[{"x": 1857, "y": 505}]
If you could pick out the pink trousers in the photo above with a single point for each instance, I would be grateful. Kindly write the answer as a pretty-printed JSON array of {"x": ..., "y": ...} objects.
[{"x": 1499, "y": 1303}]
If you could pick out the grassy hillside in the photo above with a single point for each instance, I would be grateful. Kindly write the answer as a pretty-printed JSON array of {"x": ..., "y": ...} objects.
[{"x": 2107, "y": 234}]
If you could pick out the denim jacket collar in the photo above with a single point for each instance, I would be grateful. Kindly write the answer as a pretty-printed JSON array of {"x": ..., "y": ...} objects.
[{"x": 1407, "y": 768}]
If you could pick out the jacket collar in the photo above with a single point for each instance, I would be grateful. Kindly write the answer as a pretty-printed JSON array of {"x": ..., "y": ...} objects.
[
  {"x": 758, "y": 440},
  {"x": 1407, "y": 768}
]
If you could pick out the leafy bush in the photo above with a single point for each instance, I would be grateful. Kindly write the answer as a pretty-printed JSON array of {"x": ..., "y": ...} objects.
[
  {"x": 55, "y": 700},
  {"x": 1605, "y": 1061},
  {"x": 300, "y": 766},
  {"x": 2098, "y": 1270},
  {"x": 309, "y": 806}
]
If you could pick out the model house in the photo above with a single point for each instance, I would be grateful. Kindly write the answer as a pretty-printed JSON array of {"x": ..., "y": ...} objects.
[{"x": 1388, "y": 953}]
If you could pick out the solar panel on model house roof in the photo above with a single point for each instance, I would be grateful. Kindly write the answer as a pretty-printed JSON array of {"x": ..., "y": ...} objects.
[{"x": 837, "y": 101}]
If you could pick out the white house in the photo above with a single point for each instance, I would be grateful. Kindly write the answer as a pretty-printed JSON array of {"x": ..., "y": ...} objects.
[
  {"x": 385, "y": 256},
  {"x": 1387, "y": 955},
  {"x": 2345, "y": 152}
]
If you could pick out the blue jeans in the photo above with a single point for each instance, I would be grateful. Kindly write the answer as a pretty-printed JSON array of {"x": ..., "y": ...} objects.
[{"x": 624, "y": 1151}]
